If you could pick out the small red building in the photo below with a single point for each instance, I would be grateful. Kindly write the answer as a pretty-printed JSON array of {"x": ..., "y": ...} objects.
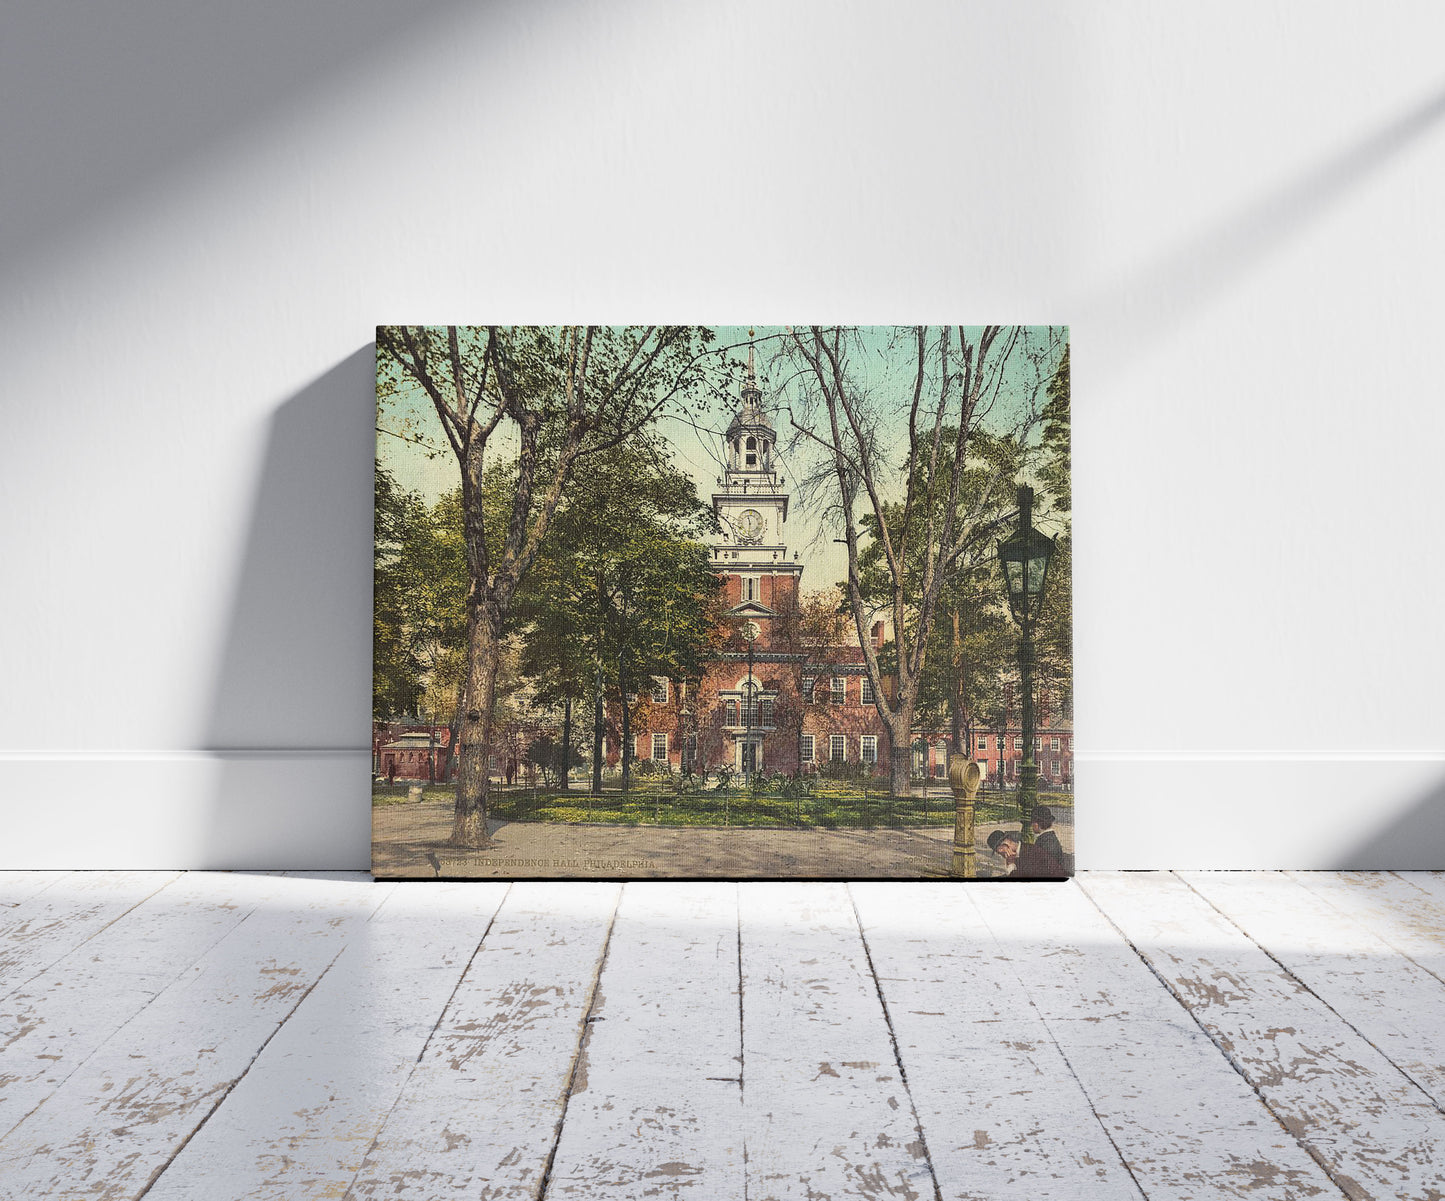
[{"x": 401, "y": 751}]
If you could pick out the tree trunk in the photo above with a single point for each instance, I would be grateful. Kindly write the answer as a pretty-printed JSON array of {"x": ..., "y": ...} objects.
[
  {"x": 469, "y": 826},
  {"x": 955, "y": 694},
  {"x": 626, "y": 727},
  {"x": 599, "y": 729},
  {"x": 567, "y": 746},
  {"x": 449, "y": 763},
  {"x": 900, "y": 768}
]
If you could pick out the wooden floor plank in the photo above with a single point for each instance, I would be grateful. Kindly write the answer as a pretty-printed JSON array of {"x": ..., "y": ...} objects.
[
  {"x": 1393, "y": 1003},
  {"x": 47, "y": 925},
  {"x": 16, "y": 887},
  {"x": 300, "y": 1123},
  {"x": 826, "y": 1111},
  {"x": 1404, "y": 909},
  {"x": 1186, "y": 1124},
  {"x": 480, "y": 1113},
  {"x": 123, "y": 1114},
  {"x": 655, "y": 1110},
  {"x": 1373, "y": 1129},
  {"x": 1001, "y": 1113},
  {"x": 50, "y": 1025}
]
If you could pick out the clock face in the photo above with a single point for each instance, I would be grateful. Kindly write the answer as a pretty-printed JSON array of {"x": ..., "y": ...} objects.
[{"x": 750, "y": 526}]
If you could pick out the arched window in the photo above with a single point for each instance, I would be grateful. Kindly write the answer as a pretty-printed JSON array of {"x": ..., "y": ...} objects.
[{"x": 752, "y": 444}]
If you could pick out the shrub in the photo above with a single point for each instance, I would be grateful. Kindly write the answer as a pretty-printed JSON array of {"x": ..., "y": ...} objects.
[{"x": 841, "y": 770}]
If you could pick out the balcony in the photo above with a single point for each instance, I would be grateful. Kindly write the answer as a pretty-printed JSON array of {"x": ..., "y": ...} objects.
[
  {"x": 755, "y": 483},
  {"x": 757, "y": 717}
]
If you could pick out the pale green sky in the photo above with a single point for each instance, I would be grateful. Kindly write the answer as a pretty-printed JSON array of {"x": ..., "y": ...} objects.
[{"x": 883, "y": 359}]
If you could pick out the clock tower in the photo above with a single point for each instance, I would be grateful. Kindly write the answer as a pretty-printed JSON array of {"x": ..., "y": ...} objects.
[{"x": 752, "y": 508}]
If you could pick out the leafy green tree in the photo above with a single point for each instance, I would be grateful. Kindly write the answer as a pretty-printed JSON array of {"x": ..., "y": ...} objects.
[
  {"x": 1054, "y": 640},
  {"x": 396, "y": 680},
  {"x": 625, "y": 590},
  {"x": 544, "y": 400}
]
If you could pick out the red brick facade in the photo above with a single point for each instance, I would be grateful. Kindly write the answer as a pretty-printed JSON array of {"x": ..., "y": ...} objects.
[{"x": 408, "y": 751}]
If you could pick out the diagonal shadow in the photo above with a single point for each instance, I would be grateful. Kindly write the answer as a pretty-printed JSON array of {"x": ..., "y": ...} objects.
[
  {"x": 1412, "y": 840},
  {"x": 1160, "y": 297},
  {"x": 290, "y": 713},
  {"x": 99, "y": 101}
]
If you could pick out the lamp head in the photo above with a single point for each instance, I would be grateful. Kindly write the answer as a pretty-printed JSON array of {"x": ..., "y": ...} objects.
[{"x": 1024, "y": 558}]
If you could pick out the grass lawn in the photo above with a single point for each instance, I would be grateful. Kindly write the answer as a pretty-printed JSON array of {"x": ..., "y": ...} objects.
[{"x": 829, "y": 805}]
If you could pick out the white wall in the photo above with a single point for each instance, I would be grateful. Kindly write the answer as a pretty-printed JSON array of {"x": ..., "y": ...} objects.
[{"x": 206, "y": 207}]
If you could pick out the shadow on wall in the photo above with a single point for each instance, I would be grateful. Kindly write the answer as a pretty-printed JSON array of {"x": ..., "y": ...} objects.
[
  {"x": 1413, "y": 839},
  {"x": 290, "y": 714},
  {"x": 1156, "y": 300},
  {"x": 106, "y": 100}
]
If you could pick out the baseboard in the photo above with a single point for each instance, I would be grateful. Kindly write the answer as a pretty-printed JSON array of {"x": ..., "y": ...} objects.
[
  {"x": 301, "y": 809},
  {"x": 186, "y": 809},
  {"x": 1259, "y": 810}
]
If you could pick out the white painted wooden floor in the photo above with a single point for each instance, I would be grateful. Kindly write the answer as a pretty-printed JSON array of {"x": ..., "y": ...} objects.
[{"x": 1190, "y": 1035}]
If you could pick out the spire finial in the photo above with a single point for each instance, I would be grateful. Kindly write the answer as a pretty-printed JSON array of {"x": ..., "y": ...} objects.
[{"x": 752, "y": 378}]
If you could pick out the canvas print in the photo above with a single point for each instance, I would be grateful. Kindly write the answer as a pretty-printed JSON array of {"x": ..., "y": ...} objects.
[{"x": 723, "y": 602}]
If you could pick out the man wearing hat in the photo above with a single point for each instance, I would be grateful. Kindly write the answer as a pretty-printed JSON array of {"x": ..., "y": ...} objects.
[
  {"x": 1026, "y": 859},
  {"x": 1045, "y": 838}
]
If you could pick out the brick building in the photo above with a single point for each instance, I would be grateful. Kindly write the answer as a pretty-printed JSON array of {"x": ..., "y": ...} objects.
[
  {"x": 999, "y": 753},
  {"x": 807, "y": 702},
  {"x": 402, "y": 750}
]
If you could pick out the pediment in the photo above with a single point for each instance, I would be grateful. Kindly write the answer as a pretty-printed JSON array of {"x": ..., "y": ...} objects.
[{"x": 751, "y": 608}]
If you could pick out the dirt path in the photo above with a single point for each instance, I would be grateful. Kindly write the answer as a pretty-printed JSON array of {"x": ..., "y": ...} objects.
[{"x": 406, "y": 837}]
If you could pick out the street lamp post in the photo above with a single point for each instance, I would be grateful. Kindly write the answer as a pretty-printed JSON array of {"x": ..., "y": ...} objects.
[
  {"x": 751, "y": 630},
  {"x": 1025, "y": 560}
]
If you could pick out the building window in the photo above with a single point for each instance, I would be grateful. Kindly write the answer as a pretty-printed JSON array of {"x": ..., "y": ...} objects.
[
  {"x": 689, "y": 750},
  {"x": 730, "y": 711},
  {"x": 1056, "y": 767},
  {"x": 750, "y": 587},
  {"x": 636, "y": 745},
  {"x": 983, "y": 744},
  {"x": 835, "y": 748},
  {"x": 807, "y": 748},
  {"x": 868, "y": 748},
  {"x": 867, "y": 697},
  {"x": 1071, "y": 743},
  {"x": 809, "y": 683},
  {"x": 1054, "y": 745},
  {"x": 840, "y": 690},
  {"x": 765, "y": 711},
  {"x": 659, "y": 691},
  {"x": 659, "y": 746}
]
